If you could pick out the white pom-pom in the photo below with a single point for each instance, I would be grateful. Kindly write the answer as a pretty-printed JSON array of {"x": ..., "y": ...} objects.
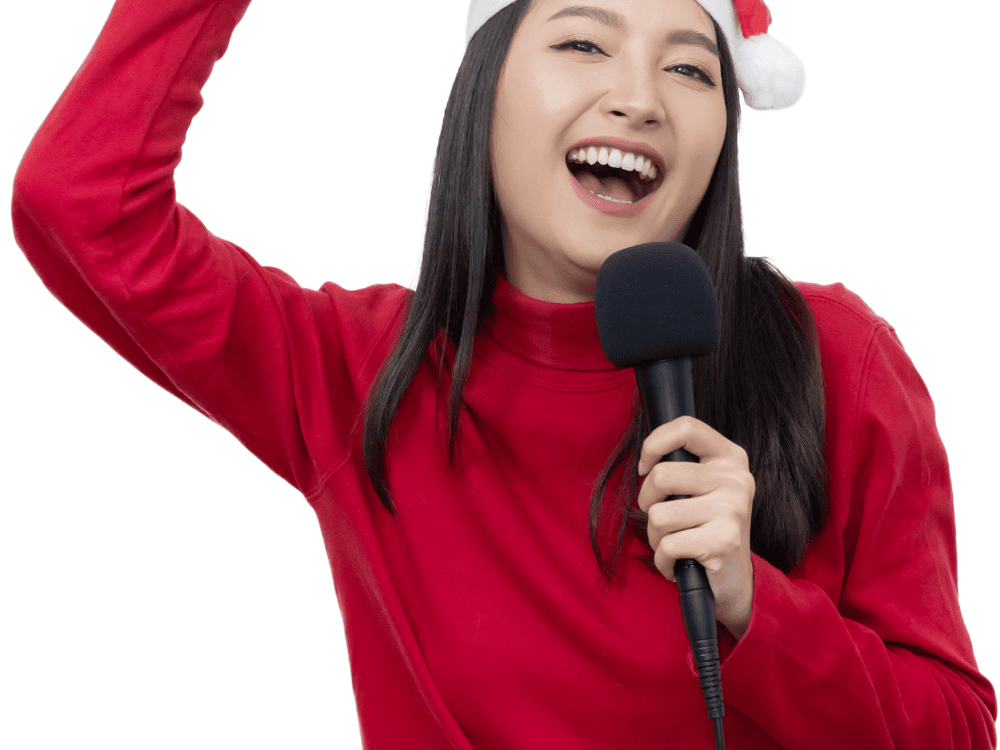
[{"x": 769, "y": 73}]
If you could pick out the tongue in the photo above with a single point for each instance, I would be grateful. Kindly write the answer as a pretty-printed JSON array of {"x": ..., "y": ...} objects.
[{"x": 609, "y": 187}]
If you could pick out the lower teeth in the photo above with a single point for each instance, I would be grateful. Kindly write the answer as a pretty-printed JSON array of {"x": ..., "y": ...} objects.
[{"x": 613, "y": 200}]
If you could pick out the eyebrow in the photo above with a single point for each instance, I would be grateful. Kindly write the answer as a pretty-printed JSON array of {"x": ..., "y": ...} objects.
[{"x": 615, "y": 21}]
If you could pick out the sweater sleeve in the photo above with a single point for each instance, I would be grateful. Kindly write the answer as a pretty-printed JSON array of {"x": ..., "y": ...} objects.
[
  {"x": 890, "y": 666},
  {"x": 95, "y": 212}
]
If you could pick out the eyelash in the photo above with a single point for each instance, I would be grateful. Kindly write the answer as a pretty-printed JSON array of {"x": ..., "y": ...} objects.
[{"x": 706, "y": 78}]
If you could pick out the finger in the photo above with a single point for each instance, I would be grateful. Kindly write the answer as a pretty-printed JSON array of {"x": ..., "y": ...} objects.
[
  {"x": 665, "y": 557},
  {"x": 684, "y": 432},
  {"x": 679, "y": 515},
  {"x": 681, "y": 478},
  {"x": 707, "y": 544},
  {"x": 713, "y": 514},
  {"x": 672, "y": 478},
  {"x": 689, "y": 513}
]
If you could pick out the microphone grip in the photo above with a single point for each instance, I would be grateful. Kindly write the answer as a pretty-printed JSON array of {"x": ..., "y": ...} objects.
[{"x": 666, "y": 388}]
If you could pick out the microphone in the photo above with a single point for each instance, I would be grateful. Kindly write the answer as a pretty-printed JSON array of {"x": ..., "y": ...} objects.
[{"x": 656, "y": 310}]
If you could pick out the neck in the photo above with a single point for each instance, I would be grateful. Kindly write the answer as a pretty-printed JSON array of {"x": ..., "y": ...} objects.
[{"x": 541, "y": 277}]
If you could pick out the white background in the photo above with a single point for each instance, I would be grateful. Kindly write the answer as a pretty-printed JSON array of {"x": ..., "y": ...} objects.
[{"x": 161, "y": 588}]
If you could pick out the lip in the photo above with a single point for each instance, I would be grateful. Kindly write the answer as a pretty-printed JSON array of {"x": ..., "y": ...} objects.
[
  {"x": 620, "y": 143},
  {"x": 625, "y": 210}
]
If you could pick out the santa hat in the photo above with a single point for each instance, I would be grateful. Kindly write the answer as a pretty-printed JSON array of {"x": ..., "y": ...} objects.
[{"x": 769, "y": 74}]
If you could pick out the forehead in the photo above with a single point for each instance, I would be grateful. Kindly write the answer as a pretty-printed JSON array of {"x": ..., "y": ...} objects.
[{"x": 624, "y": 15}]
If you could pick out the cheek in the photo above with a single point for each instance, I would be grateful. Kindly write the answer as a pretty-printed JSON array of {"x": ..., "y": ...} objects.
[
  {"x": 510, "y": 118},
  {"x": 704, "y": 139},
  {"x": 505, "y": 134},
  {"x": 524, "y": 130},
  {"x": 508, "y": 159},
  {"x": 552, "y": 95}
]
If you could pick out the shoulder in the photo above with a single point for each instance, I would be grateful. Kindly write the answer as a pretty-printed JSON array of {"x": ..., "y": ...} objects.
[
  {"x": 845, "y": 325},
  {"x": 866, "y": 371},
  {"x": 850, "y": 330},
  {"x": 837, "y": 310},
  {"x": 378, "y": 303},
  {"x": 362, "y": 324},
  {"x": 854, "y": 342}
]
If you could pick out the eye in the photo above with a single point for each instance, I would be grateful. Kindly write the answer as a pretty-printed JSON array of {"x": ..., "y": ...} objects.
[
  {"x": 579, "y": 45},
  {"x": 693, "y": 71}
]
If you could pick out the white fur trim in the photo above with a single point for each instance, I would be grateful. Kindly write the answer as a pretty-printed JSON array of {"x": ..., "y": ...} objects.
[
  {"x": 725, "y": 15},
  {"x": 769, "y": 73},
  {"x": 481, "y": 11}
]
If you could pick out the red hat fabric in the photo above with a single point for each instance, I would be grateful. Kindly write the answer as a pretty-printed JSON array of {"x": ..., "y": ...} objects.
[{"x": 754, "y": 17}]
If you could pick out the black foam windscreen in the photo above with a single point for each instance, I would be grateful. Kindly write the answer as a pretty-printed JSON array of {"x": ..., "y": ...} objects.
[{"x": 655, "y": 301}]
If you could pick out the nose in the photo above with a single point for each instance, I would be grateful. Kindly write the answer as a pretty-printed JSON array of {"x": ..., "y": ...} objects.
[{"x": 634, "y": 96}]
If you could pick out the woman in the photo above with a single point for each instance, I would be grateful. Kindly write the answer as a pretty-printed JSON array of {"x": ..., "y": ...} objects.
[{"x": 492, "y": 607}]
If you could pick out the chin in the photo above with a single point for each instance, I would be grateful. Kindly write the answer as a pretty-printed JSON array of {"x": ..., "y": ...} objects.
[
  {"x": 588, "y": 258},
  {"x": 592, "y": 253}
]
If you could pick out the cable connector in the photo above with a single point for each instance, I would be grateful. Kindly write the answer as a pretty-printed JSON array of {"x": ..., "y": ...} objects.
[{"x": 698, "y": 607}]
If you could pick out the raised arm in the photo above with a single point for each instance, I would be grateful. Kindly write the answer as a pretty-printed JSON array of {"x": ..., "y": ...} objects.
[{"x": 95, "y": 212}]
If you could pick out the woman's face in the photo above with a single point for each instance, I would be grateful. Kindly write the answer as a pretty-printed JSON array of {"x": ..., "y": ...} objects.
[{"x": 620, "y": 79}]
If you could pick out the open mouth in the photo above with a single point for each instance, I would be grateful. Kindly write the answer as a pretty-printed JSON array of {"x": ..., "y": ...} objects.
[{"x": 616, "y": 176}]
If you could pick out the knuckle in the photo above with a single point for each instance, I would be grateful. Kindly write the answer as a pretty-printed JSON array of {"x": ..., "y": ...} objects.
[
  {"x": 742, "y": 481},
  {"x": 655, "y": 515},
  {"x": 741, "y": 456},
  {"x": 734, "y": 540},
  {"x": 661, "y": 476},
  {"x": 746, "y": 483},
  {"x": 688, "y": 425},
  {"x": 663, "y": 547},
  {"x": 735, "y": 515}
]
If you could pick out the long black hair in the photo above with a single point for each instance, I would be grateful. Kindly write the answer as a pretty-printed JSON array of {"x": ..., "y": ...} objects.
[{"x": 762, "y": 389}]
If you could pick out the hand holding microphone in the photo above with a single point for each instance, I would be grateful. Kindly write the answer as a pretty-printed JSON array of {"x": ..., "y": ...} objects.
[{"x": 712, "y": 526}]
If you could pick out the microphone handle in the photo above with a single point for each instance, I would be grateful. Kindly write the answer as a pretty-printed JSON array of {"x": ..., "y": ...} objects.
[{"x": 666, "y": 388}]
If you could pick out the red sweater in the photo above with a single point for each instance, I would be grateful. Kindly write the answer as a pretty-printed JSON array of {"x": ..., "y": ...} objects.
[{"x": 479, "y": 619}]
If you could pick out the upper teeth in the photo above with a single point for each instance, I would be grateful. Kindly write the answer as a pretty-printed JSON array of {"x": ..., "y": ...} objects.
[{"x": 614, "y": 158}]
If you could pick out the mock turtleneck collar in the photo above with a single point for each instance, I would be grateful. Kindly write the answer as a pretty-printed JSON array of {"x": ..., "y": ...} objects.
[{"x": 551, "y": 334}]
